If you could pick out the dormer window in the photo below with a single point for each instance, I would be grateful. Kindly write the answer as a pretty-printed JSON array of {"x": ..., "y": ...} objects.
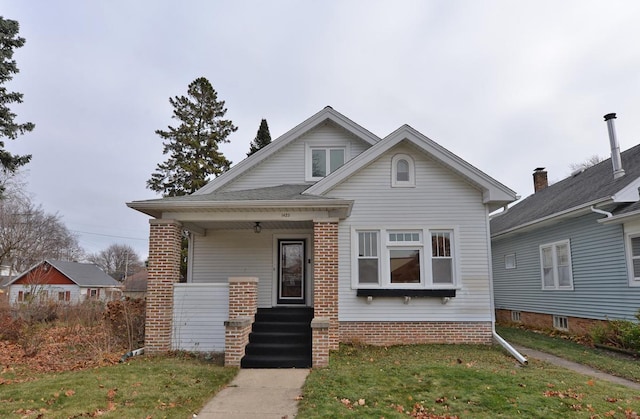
[
  {"x": 322, "y": 161},
  {"x": 402, "y": 171}
]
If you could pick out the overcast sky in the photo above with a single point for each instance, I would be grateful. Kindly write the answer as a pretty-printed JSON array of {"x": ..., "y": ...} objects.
[{"x": 506, "y": 85}]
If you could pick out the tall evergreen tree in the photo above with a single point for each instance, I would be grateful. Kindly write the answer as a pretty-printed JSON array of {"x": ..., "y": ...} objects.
[
  {"x": 263, "y": 138},
  {"x": 9, "y": 40},
  {"x": 193, "y": 145}
]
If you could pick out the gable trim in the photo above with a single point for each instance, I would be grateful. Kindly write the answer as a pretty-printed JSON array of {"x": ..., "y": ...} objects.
[
  {"x": 493, "y": 191},
  {"x": 326, "y": 114}
]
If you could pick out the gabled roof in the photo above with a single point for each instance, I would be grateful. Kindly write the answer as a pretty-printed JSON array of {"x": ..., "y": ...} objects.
[
  {"x": 82, "y": 274},
  {"x": 326, "y": 114},
  {"x": 592, "y": 186},
  {"x": 495, "y": 194}
]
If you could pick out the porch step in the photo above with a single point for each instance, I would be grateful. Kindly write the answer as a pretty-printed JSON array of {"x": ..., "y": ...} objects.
[{"x": 280, "y": 338}]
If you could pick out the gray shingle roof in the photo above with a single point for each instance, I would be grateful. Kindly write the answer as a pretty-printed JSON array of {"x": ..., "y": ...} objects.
[
  {"x": 83, "y": 274},
  {"x": 592, "y": 184},
  {"x": 272, "y": 193}
]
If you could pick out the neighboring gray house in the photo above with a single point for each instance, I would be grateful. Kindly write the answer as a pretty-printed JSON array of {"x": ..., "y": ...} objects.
[
  {"x": 360, "y": 238},
  {"x": 63, "y": 281},
  {"x": 569, "y": 255}
]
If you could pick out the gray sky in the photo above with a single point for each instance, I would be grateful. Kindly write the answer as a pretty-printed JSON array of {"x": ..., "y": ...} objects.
[{"x": 506, "y": 85}]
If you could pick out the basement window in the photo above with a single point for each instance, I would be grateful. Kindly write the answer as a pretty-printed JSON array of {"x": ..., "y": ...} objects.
[{"x": 561, "y": 323}]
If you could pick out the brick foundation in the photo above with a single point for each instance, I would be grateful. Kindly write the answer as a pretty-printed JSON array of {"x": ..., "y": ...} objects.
[
  {"x": 400, "y": 333},
  {"x": 542, "y": 321},
  {"x": 325, "y": 273},
  {"x": 243, "y": 305},
  {"x": 164, "y": 270}
]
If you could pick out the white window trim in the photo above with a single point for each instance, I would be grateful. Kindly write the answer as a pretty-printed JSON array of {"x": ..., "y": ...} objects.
[
  {"x": 308, "y": 160},
  {"x": 384, "y": 270},
  {"x": 556, "y": 286},
  {"x": 507, "y": 257},
  {"x": 633, "y": 281},
  {"x": 394, "y": 167}
]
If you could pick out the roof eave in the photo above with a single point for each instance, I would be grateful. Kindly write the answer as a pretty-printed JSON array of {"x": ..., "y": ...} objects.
[
  {"x": 157, "y": 208},
  {"x": 553, "y": 217}
]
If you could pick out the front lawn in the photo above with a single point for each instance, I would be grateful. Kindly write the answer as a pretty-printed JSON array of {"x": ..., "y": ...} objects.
[
  {"x": 448, "y": 381},
  {"x": 601, "y": 359},
  {"x": 142, "y": 387}
]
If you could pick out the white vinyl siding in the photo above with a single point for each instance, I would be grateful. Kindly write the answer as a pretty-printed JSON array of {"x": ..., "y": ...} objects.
[
  {"x": 222, "y": 254},
  {"x": 555, "y": 261},
  {"x": 287, "y": 166},
  {"x": 441, "y": 200},
  {"x": 199, "y": 313}
]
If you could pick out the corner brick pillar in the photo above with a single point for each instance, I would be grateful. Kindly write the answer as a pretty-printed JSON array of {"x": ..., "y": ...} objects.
[
  {"x": 325, "y": 291},
  {"x": 243, "y": 304},
  {"x": 164, "y": 271}
]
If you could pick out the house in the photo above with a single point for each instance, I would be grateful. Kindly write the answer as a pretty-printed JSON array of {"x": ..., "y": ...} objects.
[
  {"x": 68, "y": 282},
  {"x": 135, "y": 285},
  {"x": 350, "y": 237},
  {"x": 568, "y": 256}
]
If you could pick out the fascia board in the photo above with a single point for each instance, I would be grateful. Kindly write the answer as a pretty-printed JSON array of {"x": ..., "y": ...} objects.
[
  {"x": 155, "y": 209},
  {"x": 558, "y": 216},
  {"x": 492, "y": 189},
  {"x": 325, "y": 114},
  {"x": 619, "y": 219}
]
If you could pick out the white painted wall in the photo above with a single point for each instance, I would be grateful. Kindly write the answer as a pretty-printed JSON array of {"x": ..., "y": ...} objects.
[
  {"x": 199, "y": 313},
  {"x": 78, "y": 294},
  {"x": 439, "y": 199},
  {"x": 222, "y": 254}
]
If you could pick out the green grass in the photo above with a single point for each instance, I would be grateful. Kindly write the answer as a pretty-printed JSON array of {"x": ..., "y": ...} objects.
[
  {"x": 157, "y": 387},
  {"x": 607, "y": 361},
  {"x": 454, "y": 380}
]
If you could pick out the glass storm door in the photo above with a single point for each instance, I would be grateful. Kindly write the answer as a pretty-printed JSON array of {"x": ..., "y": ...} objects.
[{"x": 291, "y": 272}]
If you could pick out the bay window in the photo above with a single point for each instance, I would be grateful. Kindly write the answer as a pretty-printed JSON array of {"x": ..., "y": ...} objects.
[{"x": 403, "y": 259}]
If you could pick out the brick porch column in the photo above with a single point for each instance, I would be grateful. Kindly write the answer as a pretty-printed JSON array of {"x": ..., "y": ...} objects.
[
  {"x": 164, "y": 271},
  {"x": 243, "y": 304},
  {"x": 325, "y": 277}
]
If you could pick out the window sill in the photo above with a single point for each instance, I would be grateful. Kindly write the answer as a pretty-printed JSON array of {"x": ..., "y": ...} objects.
[{"x": 399, "y": 292}]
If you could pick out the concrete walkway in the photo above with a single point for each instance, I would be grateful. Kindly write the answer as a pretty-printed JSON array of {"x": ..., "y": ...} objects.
[
  {"x": 574, "y": 366},
  {"x": 258, "y": 393}
]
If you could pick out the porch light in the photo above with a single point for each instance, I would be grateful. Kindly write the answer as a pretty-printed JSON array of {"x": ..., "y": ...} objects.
[{"x": 256, "y": 228}]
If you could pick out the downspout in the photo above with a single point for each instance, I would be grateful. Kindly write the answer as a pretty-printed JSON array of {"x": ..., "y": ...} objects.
[
  {"x": 506, "y": 345},
  {"x": 599, "y": 211},
  {"x": 129, "y": 354}
]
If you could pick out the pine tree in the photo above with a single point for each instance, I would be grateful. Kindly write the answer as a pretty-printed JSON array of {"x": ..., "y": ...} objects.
[
  {"x": 9, "y": 40},
  {"x": 263, "y": 138},
  {"x": 193, "y": 145}
]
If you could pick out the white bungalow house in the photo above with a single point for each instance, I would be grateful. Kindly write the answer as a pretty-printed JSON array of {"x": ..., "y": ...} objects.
[{"x": 329, "y": 234}]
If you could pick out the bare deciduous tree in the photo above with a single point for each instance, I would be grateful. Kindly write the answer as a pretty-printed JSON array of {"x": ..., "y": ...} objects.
[
  {"x": 28, "y": 234},
  {"x": 587, "y": 163},
  {"x": 117, "y": 260}
]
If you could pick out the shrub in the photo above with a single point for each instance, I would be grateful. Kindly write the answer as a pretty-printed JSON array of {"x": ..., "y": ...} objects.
[
  {"x": 125, "y": 319},
  {"x": 623, "y": 334}
]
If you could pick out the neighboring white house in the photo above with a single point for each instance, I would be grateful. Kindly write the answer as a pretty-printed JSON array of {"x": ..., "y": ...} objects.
[
  {"x": 386, "y": 239},
  {"x": 63, "y": 281}
]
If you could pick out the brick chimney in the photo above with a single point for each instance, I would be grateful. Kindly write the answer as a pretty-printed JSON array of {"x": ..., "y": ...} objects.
[{"x": 539, "y": 179}]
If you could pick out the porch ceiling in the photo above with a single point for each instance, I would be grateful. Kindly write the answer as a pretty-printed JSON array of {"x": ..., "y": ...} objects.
[{"x": 249, "y": 225}]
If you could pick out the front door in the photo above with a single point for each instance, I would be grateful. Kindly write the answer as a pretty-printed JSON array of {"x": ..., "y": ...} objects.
[{"x": 291, "y": 271}]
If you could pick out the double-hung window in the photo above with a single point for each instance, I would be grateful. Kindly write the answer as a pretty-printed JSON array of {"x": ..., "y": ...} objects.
[
  {"x": 321, "y": 161},
  {"x": 404, "y": 259},
  {"x": 555, "y": 261},
  {"x": 634, "y": 259}
]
